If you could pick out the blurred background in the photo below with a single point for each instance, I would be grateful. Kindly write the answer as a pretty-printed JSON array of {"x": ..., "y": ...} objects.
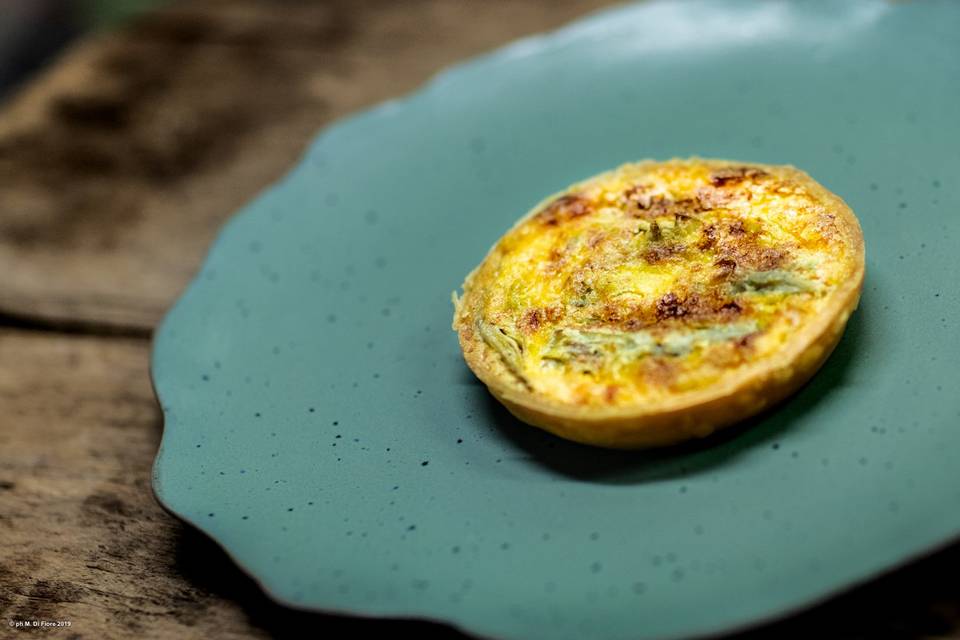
[
  {"x": 158, "y": 119},
  {"x": 32, "y": 32}
]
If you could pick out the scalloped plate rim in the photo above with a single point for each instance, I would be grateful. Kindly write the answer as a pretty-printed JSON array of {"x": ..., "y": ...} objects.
[{"x": 384, "y": 111}]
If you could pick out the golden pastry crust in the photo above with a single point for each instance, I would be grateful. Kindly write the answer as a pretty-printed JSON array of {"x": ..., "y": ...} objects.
[{"x": 661, "y": 301}]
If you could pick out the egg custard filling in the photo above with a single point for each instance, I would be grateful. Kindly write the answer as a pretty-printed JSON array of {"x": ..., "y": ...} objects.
[{"x": 655, "y": 280}]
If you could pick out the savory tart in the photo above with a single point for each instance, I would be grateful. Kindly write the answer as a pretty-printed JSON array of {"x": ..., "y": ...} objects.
[{"x": 661, "y": 301}]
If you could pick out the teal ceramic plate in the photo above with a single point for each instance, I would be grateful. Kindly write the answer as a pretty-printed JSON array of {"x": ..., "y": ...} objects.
[{"x": 322, "y": 426}]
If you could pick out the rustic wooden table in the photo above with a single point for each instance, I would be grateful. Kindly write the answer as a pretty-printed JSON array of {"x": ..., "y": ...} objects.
[{"x": 117, "y": 166}]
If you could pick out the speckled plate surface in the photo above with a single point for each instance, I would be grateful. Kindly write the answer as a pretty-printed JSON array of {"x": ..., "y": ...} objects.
[{"x": 321, "y": 425}]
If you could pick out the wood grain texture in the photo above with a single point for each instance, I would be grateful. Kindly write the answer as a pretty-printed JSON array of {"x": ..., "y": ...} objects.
[
  {"x": 120, "y": 164},
  {"x": 116, "y": 168}
]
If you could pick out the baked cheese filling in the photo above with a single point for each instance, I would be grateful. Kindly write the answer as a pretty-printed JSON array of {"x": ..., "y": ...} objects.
[{"x": 656, "y": 279}]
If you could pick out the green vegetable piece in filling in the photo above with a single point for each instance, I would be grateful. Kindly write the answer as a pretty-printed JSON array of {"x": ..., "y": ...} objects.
[
  {"x": 776, "y": 281},
  {"x": 506, "y": 345},
  {"x": 593, "y": 347}
]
